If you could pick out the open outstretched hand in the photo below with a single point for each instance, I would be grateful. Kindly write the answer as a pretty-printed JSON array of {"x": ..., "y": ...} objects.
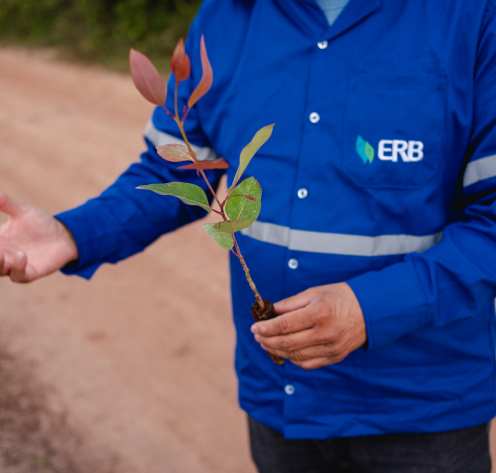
[
  {"x": 318, "y": 327},
  {"x": 32, "y": 242}
]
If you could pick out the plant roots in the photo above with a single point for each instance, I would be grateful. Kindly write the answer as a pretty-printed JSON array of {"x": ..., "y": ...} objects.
[{"x": 266, "y": 314}]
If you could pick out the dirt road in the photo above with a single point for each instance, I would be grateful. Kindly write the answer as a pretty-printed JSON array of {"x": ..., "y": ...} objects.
[
  {"x": 139, "y": 360},
  {"x": 131, "y": 372}
]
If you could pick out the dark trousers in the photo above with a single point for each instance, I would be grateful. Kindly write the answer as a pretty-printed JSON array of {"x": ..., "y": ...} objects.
[{"x": 458, "y": 451}]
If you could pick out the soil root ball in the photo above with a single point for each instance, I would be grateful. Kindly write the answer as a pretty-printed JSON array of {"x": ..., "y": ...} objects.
[{"x": 266, "y": 314}]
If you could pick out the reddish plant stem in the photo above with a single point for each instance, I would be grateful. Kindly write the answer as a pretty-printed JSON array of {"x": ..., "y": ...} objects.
[
  {"x": 221, "y": 205},
  {"x": 247, "y": 274},
  {"x": 185, "y": 138},
  {"x": 249, "y": 197},
  {"x": 193, "y": 156}
]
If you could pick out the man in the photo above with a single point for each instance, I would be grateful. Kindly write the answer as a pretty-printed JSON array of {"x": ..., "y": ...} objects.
[{"x": 377, "y": 232}]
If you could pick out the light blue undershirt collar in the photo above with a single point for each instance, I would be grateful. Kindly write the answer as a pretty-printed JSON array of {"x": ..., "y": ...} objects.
[{"x": 332, "y": 8}]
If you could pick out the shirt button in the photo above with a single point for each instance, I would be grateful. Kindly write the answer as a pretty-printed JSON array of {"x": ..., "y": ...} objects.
[
  {"x": 302, "y": 193},
  {"x": 289, "y": 388},
  {"x": 314, "y": 117},
  {"x": 322, "y": 44},
  {"x": 293, "y": 263}
]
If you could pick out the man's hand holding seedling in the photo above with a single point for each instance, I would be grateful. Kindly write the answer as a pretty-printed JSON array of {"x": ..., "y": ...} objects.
[{"x": 318, "y": 327}]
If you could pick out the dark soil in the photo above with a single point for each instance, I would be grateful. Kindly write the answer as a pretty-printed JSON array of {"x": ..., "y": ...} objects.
[
  {"x": 266, "y": 314},
  {"x": 33, "y": 438}
]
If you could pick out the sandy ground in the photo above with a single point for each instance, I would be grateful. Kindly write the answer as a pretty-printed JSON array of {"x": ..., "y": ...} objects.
[
  {"x": 134, "y": 369},
  {"x": 131, "y": 372}
]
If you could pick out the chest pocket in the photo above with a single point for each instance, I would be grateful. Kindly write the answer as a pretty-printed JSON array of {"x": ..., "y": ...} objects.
[{"x": 393, "y": 129}]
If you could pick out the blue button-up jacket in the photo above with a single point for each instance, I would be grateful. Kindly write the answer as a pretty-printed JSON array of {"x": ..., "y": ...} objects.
[{"x": 381, "y": 172}]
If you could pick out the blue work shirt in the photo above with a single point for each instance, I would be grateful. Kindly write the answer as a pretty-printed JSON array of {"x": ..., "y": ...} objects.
[{"x": 381, "y": 172}]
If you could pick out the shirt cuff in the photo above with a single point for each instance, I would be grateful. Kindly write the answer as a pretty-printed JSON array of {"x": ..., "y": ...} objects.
[
  {"x": 392, "y": 303},
  {"x": 87, "y": 225}
]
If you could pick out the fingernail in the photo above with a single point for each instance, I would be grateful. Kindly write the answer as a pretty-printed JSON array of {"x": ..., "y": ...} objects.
[{"x": 254, "y": 329}]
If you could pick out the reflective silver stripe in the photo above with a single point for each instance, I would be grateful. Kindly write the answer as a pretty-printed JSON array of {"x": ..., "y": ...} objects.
[
  {"x": 159, "y": 138},
  {"x": 479, "y": 170},
  {"x": 339, "y": 243}
]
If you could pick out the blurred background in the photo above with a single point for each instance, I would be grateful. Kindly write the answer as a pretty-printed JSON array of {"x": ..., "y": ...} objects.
[
  {"x": 131, "y": 372},
  {"x": 99, "y": 31}
]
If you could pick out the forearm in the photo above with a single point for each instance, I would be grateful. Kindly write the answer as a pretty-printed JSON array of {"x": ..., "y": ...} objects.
[
  {"x": 122, "y": 221},
  {"x": 451, "y": 281}
]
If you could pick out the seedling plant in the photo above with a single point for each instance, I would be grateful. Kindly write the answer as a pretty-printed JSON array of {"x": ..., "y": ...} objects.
[{"x": 242, "y": 202}]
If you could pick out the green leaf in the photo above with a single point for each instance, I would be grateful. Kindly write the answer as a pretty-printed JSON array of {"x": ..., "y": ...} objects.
[
  {"x": 241, "y": 207},
  {"x": 261, "y": 137},
  {"x": 188, "y": 193},
  {"x": 224, "y": 240},
  {"x": 233, "y": 225}
]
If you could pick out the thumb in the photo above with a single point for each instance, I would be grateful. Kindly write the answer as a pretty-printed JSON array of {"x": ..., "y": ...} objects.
[
  {"x": 294, "y": 302},
  {"x": 10, "y": 206}
]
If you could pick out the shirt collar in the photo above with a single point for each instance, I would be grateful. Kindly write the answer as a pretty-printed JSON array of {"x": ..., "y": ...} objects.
[{"x": 355, "y": 12}]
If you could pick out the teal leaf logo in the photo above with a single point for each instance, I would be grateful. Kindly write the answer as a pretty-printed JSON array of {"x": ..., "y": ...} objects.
[{"x": 365, "y": 150}]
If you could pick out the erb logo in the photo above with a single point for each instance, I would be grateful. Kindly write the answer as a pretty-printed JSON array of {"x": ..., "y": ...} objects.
[{"x": 391, "y": 150}]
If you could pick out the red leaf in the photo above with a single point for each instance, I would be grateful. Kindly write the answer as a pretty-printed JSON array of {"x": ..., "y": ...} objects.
[
  {"x": 177, "y": 55},
  {"x": 207, "y": 78},
  {"x": 174, "y": 153},
  {"x": 201, "y": 165},
  {"x": 147, "y": 79},
  {"x": 180, "y": 63}
]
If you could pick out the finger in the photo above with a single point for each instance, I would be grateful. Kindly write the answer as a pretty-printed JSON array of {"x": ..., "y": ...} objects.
[
  {"x": 284, "y": 324},
  {"x": 316, "y": 351},
  {"x": 294, "y": 302},
  {"x": 315, "y": 363},
  {"x": 10, "y": 206},
  {"x": 308, "y": 362},
  {"x": 4, "y": 267},
  {"x": 292, "y": 342},
  {"x": 18, "y": 271}
]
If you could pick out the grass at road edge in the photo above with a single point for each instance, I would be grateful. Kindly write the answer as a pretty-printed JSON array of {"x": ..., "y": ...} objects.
[{"x": 96, "y": 31}]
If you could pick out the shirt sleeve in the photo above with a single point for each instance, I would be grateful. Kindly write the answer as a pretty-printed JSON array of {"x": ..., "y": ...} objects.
[
  {"x": 456, "y": 278},
  {"x": 123, "y": 220}
]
